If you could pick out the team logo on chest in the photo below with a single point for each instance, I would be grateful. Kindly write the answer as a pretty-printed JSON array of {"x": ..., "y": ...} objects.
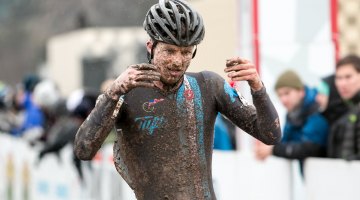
[
  {"x": 149, "y": 124},
  {"x": 150, "y": 105}
]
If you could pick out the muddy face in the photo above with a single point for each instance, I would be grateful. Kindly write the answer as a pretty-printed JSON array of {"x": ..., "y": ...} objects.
[{"x": 171, "y": 60}]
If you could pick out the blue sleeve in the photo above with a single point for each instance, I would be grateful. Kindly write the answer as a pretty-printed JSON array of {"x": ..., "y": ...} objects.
[
  {"x": 34, "y": 117},
  {"x": 222, "y": 139},
  {"x": 306, "y": 141},
  {"x": 287, "y": 132},
  {"x": 315, "y": 129}
]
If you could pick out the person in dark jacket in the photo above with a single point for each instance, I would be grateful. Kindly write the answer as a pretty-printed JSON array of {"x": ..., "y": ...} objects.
[
  {"x": 332, "y": 105},
  {"x": 305, "y": 130},
  {"x": 344, "y": 138},
  {"x": 34, "y": 117}
]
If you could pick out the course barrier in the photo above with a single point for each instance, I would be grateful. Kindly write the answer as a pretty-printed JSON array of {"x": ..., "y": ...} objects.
[{"x": 236, "y": 175}]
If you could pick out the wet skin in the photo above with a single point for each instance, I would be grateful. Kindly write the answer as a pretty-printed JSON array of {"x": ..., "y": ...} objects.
[
  {"x": 172, "y": 61},
  {"x": 240, "y": 69}
]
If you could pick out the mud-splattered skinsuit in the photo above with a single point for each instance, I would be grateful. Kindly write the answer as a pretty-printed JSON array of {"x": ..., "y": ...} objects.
[{"x": 164, "y": 144}]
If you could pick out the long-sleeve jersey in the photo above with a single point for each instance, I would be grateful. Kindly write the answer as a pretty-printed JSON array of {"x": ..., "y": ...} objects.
[{"x": 165, "y": 141}]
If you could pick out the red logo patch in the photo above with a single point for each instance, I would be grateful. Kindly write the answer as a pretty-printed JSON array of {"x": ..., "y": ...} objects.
[{"x": 189, "y": 94}]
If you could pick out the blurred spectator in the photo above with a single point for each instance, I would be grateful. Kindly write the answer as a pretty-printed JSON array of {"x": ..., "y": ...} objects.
[
  {"x": 305, "y": 130},
  {"x": 47, "y": 97},
  {"x": 79, "y": 104},
  {"x": 33, "y": 116},
  {"x": 7, "y": 117},
  {"x": 331, "y": 104},
  {"x": 344, "y": 138},
  {"x": 224, "y": 138},
  {"x": 30, "y": 81}
]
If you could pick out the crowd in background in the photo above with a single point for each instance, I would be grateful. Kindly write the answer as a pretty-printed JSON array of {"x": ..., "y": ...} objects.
[
  {"x": 320, "y": 122},
  {"x": 36, "y": 111}
]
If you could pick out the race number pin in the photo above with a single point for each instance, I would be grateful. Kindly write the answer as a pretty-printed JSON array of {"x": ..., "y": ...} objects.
[{"x": 241, "y": 97}]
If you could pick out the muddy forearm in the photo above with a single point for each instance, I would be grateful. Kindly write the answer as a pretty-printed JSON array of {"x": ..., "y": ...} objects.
[
  {"x": 267, "y": 118},
  {"x": 95, "y": 128}
]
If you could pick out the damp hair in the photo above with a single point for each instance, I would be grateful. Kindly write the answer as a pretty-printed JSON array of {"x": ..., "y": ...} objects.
[{"x": 350, "y": 60}]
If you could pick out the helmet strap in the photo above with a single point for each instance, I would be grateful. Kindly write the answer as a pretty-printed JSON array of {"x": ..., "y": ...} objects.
[
  {"x": 150, "y": 55},
  {"x": 193, "y": 56}
]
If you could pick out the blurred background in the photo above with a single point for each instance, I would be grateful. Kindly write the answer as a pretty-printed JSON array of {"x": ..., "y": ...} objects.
[{"x": 75, "y": 46}]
